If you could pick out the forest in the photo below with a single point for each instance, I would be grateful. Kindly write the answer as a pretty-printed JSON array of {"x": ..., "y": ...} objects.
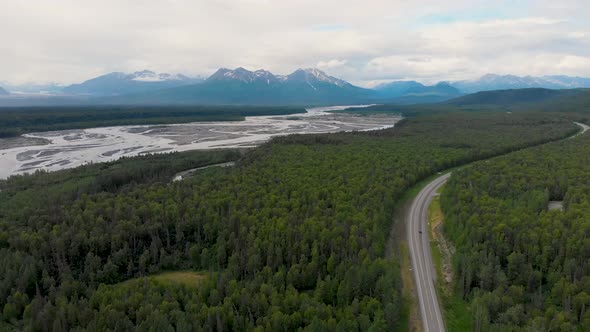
[
  {"x": 572, "y": 103},
  {"x": 292, "y": 237},
  {"x": 521, "y": 266},
  {"x": 15, "y": 121}
]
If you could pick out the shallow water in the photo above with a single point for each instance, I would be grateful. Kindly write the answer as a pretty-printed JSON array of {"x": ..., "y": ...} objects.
[{"x": 71, "y": 148}]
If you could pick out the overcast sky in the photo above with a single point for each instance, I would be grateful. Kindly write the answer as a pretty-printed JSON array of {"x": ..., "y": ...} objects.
[{"x": 361, "y": 41}]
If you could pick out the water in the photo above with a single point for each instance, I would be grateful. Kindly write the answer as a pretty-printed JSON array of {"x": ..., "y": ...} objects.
[{"x": 71, "y": 148}]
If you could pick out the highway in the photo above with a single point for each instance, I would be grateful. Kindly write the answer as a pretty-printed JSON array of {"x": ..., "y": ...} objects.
[
  {"x": 422, "y": 265},
  {"x": 189, "y": 172},
  {"x": 418, "y": 232},
  {"x": 584, "y": 127}
]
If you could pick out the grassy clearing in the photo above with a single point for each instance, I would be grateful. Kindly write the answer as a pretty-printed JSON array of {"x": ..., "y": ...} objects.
[
  {"x": 186, "y": 278},
  {"x": 457, "y": 312},
  {"x": 189, "y": 279}
]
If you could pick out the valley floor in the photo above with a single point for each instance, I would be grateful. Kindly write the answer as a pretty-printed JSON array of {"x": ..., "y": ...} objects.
[{"x": 71, "y": 148}]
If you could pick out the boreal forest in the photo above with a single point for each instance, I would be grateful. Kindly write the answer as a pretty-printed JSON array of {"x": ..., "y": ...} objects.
[
  {"x": 522, "y": 264},
  {"x": 294, "y": 236}
]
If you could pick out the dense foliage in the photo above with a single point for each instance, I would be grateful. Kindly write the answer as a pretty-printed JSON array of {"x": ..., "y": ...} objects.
[
  {"x": 19, "y": 120},
  {"x": 521, "y": 266},
  {"x": 292, "y": 237}
]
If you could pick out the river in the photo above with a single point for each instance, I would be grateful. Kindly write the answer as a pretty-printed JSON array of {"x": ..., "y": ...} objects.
[{"x": 70, "y": 148}]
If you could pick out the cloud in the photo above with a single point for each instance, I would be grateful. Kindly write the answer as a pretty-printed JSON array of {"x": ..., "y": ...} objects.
[
  {"x": 330, "y": 27},
  {"x": 73, "y": 40},
  {"x": 417, "y": 67},
  {"x": 468, "y": 49},
  {"x": 330, "y": 64}
]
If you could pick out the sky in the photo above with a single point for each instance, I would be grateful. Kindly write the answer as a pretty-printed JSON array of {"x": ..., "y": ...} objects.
[{"x": 364, "y": 42}]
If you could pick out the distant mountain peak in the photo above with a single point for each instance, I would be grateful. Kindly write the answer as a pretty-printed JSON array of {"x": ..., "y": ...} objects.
[
  {"x": 442, "y": 83},
  {"x": 398, "y": 84},
  {"x": 490, "y": 82},
  {"x": 315, "y": 72},
  {"x": 144, "y": 72},
  {"x": 311, "y": 75},
  {"x": 115, "y": 74},
  {"x": 405, "y": 89},
  {"x": 117, "y": 83},
  {"x": 261, "y": 87},
  {"x": 150, "y": 76},
  {"x": 243, "y": 75},
  {"x": 220, "y": 72},
  {"x": 262, "y": 72}
]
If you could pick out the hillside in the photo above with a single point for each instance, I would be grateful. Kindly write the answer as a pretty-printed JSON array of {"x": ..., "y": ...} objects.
[
  {"x": 396, "y": 88},
  {"x": 514, "y": 97},
  {"x": 412, "y": 92}
]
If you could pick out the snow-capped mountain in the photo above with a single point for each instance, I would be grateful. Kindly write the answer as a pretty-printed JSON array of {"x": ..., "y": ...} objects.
[
  {"x": 242, "y": 86},
  {"x": 3, "y": 92},
  {"x": 303, "y": 86},
  {"x": 244, "y": 76},
  {"x": 502, "y": 82},
  {"x": 150, "y": 76},
  {"x": 308, "y": 86},
  {"x": 313, "y": 76},
  {"x": 308, "y": 76},
  {"x": 118, "y": 83}
]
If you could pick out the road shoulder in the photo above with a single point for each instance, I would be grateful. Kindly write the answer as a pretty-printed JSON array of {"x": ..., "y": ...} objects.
[{"x": 457, "y": 312}]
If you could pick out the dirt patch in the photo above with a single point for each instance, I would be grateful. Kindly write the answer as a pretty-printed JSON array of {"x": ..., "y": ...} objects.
[
  {"x": 447, "y": 250},
  {"x": 555, "y": 205}
]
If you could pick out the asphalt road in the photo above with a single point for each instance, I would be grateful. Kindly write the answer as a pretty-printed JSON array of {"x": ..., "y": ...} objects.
[
  {"x": 419, "y": 244},
  {"x": 422, "y": 265},
  {"x": 189, "y": 172},
  {"x": 584, "y": 127}
]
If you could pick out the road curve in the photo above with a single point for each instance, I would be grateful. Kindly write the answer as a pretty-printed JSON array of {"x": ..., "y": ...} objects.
[
  {"x": 584, "y": 127},
  {"x": 419, "y": 243},
  {"x": 422, "y": 265},
  {"x": 189, "y": 172}
]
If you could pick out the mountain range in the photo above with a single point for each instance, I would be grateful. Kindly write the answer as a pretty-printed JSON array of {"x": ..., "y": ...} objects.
[
  {"x": 240, "y": 86},
  {"x": 491, "y": 82},
  {"x": 303, "y": 86},
  {"x": 33, "y": 88},
  {"x": 3, "y": 92},
  {"x": 409, "y": 92},
  {"x": 120, "y": 83},
  {"x": 313, "y": 86}
]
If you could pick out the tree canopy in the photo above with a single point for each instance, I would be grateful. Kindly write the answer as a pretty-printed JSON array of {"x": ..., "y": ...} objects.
[
  {"x": 522, "y": 266},
  {"x": 292, "y": 237}
]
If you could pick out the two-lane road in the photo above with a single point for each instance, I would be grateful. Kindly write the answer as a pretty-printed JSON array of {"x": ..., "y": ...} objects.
[
  {"x": 422, "y": 265},
  {"x": 419, "y": 244}
]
